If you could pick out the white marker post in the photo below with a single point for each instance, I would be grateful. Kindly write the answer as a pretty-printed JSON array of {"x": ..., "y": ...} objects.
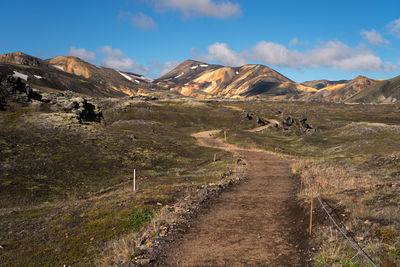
[
  {"x": 225, "y": 134},
  {"x": 134, "y": 179},
  {"x": 214, "y": 157}
]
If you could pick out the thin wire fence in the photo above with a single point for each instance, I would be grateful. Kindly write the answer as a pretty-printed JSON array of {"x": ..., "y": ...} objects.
[{"x": 354, "y": 244}]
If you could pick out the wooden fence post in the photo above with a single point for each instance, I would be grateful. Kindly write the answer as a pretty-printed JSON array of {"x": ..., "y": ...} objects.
[
  {"x": 134, "y": 179},
  {"x": 311, "y": 211}
]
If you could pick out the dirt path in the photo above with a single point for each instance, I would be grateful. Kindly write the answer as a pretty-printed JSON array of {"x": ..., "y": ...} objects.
[{"x": 256, "y": 223}]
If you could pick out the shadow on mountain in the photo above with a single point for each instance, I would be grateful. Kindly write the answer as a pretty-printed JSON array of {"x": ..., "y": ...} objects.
[{"x": 265, "y": 87}]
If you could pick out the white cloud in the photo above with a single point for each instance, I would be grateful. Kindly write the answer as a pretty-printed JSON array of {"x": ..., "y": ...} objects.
[
  {"x": 115, "y": 58},
  {"x": 332, "y": 54},
  {"x": 164, "y": 68},
  {"x": 208, "y": 8},
  {"x": 275, "y": 54},
  {"x": 340, "y": 56},
  {"x": 394, "y": 28},
  {"x": 220, "y": 52},
  {"x": 139, "y": 20},
  {"x": 82, "y": 53},
  {"x": 374, "y": 37}
]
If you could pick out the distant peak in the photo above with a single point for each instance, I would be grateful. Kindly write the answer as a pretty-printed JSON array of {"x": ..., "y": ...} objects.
[
  {"x": 18, "y": 53},
  {"x": 192, "y": 62},
  {"x": 360, "y": 77},
  {"x": 66, "y": 58}
]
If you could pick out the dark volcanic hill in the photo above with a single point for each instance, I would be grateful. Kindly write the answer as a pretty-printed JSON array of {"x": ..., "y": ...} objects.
[{"x": 202, "y": 80}]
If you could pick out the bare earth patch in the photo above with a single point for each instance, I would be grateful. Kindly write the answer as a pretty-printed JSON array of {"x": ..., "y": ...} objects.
[{"x": 258, "y": 222}]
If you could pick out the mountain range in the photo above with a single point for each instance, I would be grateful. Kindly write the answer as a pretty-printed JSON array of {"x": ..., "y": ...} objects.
[{"x": 193, "y": 79}]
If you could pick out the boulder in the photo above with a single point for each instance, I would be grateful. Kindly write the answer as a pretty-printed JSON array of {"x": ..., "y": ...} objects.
[
  {"x": 290, "y": 123},
  {"x": 81, "y": 107},
  {"x": 15, "y": 89}
]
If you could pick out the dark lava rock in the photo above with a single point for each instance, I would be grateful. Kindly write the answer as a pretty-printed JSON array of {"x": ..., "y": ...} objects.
[
  {"x": 290, "y": 123},
  {"x": 15, "y": 89}
]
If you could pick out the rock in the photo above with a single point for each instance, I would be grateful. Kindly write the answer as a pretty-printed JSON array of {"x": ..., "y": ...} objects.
[
  {"x": 15, "y": 89},
  {"x": 290, "y": 123},
  {"x": 260, "y": 121},
  {"x": 81, "y": 107},
  {"x": 143, "y": 261},
  {"x": 248, "y": 115},
  {"x": 240, "y": 162}
]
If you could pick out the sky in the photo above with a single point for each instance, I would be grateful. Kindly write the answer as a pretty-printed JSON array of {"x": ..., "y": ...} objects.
[{"x": 304, "y": 40}]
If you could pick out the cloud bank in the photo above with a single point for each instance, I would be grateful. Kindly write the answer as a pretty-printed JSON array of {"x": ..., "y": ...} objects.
[{"x": 332, "y": 54}]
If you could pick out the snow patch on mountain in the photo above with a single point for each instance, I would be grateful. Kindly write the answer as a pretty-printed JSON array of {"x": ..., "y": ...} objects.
[
  {"x": 20, "y": 75},
  {"x": 58, "y": 67},
  {"x": 179, "y": 75},
  {"x": 126, "y": 76}
]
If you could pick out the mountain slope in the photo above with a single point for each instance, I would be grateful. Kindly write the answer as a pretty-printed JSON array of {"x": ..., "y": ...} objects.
[
  {"x": 71, "y": 73},
  {"x": 126, "y": 82},
  {"x": 202, "y": 80},
  {"x": 341, "y": 92},
  {"x": 322, "y": 84},
  {"x": 384, "y": 92},
  {"x": 22, "y": 59}
]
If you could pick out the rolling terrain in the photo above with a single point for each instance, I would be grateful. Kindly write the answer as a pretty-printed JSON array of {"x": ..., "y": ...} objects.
[{"x": 69, "y": 143}]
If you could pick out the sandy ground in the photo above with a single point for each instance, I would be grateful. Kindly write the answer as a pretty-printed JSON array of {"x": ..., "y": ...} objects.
[{"x": 256, "y": 223}]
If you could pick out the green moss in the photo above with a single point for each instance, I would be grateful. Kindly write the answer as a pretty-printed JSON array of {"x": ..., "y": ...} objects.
[{"x": 139, "y": 217}]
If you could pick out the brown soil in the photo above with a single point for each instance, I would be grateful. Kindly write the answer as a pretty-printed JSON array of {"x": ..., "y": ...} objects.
[{"x": 256, "y": 223}]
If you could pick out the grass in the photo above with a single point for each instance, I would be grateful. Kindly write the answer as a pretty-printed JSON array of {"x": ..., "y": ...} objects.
[
  {"x": 137, "y": 218},
  {"x": 66, "y": 193},
  {"x": 353, "y": 162}
]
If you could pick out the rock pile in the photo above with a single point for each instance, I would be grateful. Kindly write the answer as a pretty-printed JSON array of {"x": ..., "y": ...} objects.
[
  {"x": 290, "y": 123},
  {"x": 251, "y": 115},
  {"x": 13, "y": 88},
  {"x": 78, "y": 105}
]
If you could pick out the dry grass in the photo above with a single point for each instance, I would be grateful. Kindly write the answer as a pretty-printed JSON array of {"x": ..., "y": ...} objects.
[{"x": 364, "y": 207}]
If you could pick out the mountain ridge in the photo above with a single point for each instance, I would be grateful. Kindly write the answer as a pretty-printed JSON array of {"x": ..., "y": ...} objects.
[{"x": 197, "y": 79}]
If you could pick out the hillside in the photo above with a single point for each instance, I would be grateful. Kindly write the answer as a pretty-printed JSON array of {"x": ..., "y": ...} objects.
[
  {"x": 73, "y": 74},
  {"x": 383, "y": 92},
  {"x": 202, "y": 80},
  {"x": 321, "y": 84},
  {"x": 342, "y": 91},
  {"x": 128, "y": 83},
  {"x": 22, "y": 59}
]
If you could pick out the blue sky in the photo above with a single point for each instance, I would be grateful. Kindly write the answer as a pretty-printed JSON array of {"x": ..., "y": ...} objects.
[{"x": 304, "y": 40}]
